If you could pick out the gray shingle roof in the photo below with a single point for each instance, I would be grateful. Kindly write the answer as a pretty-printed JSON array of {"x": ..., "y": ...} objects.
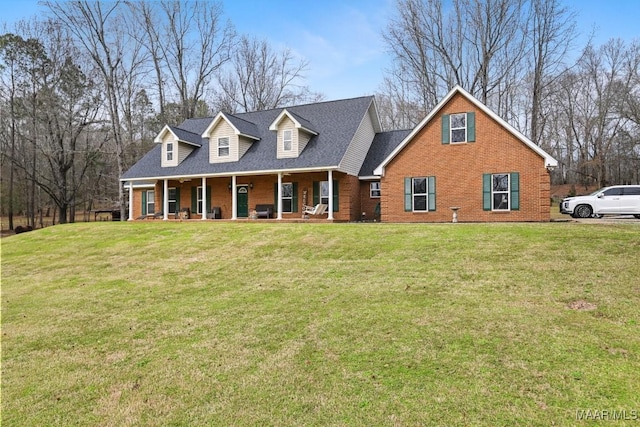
[
  {"x": 383, "y": 144},
  {"x": 185, "y": 135},
  {"x": 304, "y": 122},
  {"x": 245, "y": 127},
  {"x": 335, "y": 121}
]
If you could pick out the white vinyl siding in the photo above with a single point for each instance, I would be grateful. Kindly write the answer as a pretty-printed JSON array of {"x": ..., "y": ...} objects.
[
  {"x": 223, "y": 130},
  {"x": 360, "y": 144},
  {"x": 287, "y": 124},
  {"x": 169, "y": 140}
]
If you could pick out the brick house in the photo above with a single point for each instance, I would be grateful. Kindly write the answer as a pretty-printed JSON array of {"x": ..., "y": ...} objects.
[{"x": 336, "y": 153}]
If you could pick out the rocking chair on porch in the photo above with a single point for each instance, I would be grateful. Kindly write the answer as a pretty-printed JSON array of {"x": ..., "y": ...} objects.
[{"x": 318, "y": 209}]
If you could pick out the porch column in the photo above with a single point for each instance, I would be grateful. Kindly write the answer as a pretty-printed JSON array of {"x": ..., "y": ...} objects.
[
  {"x": 130, "y": 200},
  {"x": 165, "y": 200},
  {"x": 204, "y": 198},
  {"x": 330, "y": 216},
  {"x": 234, "y": 198},
  {"x": 279, "y": 195}
]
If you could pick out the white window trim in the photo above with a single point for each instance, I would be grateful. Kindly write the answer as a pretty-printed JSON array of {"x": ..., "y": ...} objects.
[
  {"x": 507, "y": 192},
  {"x": 287, "y": 198},
  {"x": 451, "y": 128},
  {"x": 169, "y": 151},
  {"x": 227, "y": 146},
  {"x": 199, "y": 199},
  {"x": 378, "y": 189},
  {"x": 285, "y": 139},
  {"x": 153, "y": 193},
  {"x": 425, "y": 194}
]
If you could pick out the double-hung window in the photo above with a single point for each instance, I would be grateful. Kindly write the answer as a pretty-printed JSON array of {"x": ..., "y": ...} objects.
[
  {"x": 199, "y": 199},
  {"x": 458, "y": 128},
  {"x": 150, "y": 204},
  {"x": 374, "y": 190},
  {"x": 287, "y": 137},
  {"x": 169, "y": 151},
  {"x": 420, "y": 194},
  {"x": 501, "y": 191},
  {"x": 223, "y": 147}
]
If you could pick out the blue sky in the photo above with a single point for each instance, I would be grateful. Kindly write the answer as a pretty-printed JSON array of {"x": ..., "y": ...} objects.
[{"x": 342, "y": 40}]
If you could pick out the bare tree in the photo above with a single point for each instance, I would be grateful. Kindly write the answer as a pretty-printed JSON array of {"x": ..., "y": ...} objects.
[
  {"x": 99, "y": 28},
  {"x": 262, "y": 78}
]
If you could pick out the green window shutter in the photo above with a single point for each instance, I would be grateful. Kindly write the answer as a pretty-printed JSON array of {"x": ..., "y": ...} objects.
[
  {"x": 432, "y": 192},
  {"x": 208, "y": 201},
  {"x": 316, "y": 193},
  {"x": 177, "y": 200},
  {"x": 445, "y": 129},
  {"x": 294, "y": 199},
  {"x": 515, "y": 191},
  {"x": 471, "y": 127},
  {"x": 144, "y": 202},
  {"x": 408, "y": 203},
  {"x": 486, "y": 191},
  {"x": 336, "y": 199},
  {"x": 194, "y": 200},
  {"x": 275, "y": 197}
]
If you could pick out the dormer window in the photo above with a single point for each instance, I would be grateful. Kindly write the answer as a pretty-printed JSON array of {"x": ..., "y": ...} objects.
[
  {"x": 169, "y": 151},
  {"x": 458, "y": 127},
  {"x": 287, "y": 138},
  {"x": 223, "y": 147}
]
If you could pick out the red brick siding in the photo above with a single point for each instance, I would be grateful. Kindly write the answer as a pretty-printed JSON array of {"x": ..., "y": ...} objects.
[
  {"x": 367, "y": 203},
  {"x": 261, "y": 193},
  {"x": 459, "y": 168}
]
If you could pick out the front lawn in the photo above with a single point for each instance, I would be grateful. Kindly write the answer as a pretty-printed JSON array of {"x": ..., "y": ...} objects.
[{"x": 253, "y": 323}]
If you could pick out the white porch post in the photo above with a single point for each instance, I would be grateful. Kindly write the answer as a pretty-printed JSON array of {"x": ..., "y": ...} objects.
[
  {"x": 204, "y": 198},
  {"x": 130, "y": 200},
  {"x": 165, "y": 200},
  {"x": 330, "y": 216},
  {"x": 279, "y": 195},
  {"x": 234, "y": 198}
]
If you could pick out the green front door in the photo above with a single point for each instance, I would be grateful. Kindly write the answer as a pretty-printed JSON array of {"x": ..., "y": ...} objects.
[{"x": 243, "y": 201}]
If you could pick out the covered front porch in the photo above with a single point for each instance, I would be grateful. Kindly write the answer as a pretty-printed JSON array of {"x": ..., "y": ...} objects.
[{"x": 239, "y": 196}]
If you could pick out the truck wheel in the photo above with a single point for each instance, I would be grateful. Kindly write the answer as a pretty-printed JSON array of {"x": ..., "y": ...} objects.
[
  {"x": 583, "y": 211},
  {"x": 637, "y": 216}
]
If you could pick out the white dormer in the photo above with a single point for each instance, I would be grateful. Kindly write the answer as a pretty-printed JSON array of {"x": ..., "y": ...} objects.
[
  {"x": 229, "y": 138},
  {"x": 293, "y": 134},
  {"x": 177, "y": 144}
]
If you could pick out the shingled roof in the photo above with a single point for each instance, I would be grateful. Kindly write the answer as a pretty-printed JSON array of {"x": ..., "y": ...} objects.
[
  {"x": 383, "y": 144},
  {"x": 335, "y": 122}
]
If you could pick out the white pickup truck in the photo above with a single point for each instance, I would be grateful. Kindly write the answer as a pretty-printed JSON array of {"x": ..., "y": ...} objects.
[{"x": 615, "y": 200}]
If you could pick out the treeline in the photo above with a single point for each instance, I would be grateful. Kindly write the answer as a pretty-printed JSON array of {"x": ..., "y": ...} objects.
[
  {"x": 519, "y": 57},
  {"x": 84, "y": 92}
]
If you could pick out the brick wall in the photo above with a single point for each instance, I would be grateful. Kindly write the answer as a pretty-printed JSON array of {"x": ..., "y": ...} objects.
[
  {"x": 459, "y": 168},
  {"x": 262, "y": 193},
  {"x": 367, "y": 203}
]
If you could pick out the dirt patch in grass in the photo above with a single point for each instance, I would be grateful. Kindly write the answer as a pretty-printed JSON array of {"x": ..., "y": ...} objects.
[{"x": 581, "y": 305}]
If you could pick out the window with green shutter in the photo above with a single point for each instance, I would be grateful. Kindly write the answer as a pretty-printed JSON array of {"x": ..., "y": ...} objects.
[
  {"x": 321, "y": 194},
  {"x": 501, "y": 191},
  {"x": 420, "y": 194},
  {"x": 458, "y": 128}
]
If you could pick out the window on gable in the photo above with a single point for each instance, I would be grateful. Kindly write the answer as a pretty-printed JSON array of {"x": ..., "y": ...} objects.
[
  {"x": 169, "y": 151},
  {"x": 287, "y": 136},
  {"x": 223, "y": 147},
  {"x": 458, "y": 127},
  {"x": 374, "y": 190}
]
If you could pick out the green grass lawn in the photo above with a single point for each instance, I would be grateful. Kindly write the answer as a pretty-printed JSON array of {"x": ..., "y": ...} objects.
[{"x": 192, "y": 323}]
